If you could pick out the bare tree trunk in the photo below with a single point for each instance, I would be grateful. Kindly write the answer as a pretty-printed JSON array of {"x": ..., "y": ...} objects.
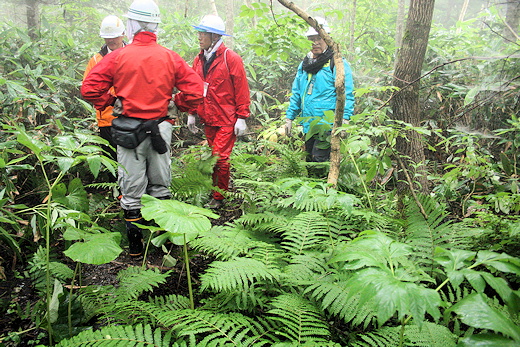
[
  {"x": 405, "y": 104},
  {"x": 335, "y": 142},
  {"x": 462, "y": 14},
  {"x": 32, "y": 14},
  {"x": 352, "y": 29},
  {"x": 512, "y": 20},
  {"x": 399, "y": 27},
  {"x": 230, "y": 21}
]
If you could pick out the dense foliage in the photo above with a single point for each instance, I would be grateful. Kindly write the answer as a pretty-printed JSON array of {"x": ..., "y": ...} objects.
[{"x": 302, "y": 263}]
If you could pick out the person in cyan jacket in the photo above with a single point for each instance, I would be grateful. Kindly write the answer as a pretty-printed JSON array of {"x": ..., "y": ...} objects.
[
  {"x": 144, "y": 75},
  {"x": 313, "y": 93},
  {"x": 226, "y": 102}
]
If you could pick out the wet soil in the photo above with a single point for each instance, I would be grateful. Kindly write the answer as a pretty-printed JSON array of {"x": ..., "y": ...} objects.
[{"x": 18, "y": 294}]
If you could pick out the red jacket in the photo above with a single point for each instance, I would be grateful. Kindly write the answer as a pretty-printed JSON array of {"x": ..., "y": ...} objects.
[
  {"x": 227, "y": 97},
  {"x": 144, "y": 75}
]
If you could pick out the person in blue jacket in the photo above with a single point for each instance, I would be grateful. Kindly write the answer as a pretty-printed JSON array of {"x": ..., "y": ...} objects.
[{"x": 314, "y": 93}]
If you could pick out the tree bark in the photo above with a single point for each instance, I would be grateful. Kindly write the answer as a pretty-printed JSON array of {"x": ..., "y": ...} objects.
[
  {"x": 405, "y": 104},
  {"x": 32, "y": 14},
  {"x": 512, "y": 20},
  {"x": 352, "y": 33},
  {"x": 335, "y": 142},
  {"x": 230, "y": 23},
  {"x": 399, "y": 26}
]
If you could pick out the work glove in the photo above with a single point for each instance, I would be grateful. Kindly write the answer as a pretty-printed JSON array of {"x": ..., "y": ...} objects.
[
  {"x": 191, "y": 124},
  {"x": 288, "y": 127},
  {"x": 240, "y": 127}
]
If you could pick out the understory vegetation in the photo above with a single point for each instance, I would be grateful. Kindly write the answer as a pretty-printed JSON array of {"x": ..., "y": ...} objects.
[{"x": 301, "y": 263}]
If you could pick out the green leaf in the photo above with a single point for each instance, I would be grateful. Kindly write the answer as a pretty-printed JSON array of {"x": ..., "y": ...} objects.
[
  {"x": 501, "y": 262},
  {"x": 76, "y": 199},
  {"x": 55, "y": 301},
  {"x": 34, "y": 145},
  {"x": 475, "y": 312},
  {"x": 487, "y": 340},
  {"x": 177, "y": 218},
  {"x": 94, "y": 164},
  {"x": 97, "y": 249}
]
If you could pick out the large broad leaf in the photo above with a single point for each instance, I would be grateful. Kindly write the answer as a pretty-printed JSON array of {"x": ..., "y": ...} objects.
[
  {"x": 487, "y": 340},
  {"x": 97, "y": 249},
  {"x": 76, "y": 199},
  {"x": 177, "y": 218},
  {"x": 31, "y": 143},
  {"x": 388, "y": 295},
  {"x": 475, "y": 312}
]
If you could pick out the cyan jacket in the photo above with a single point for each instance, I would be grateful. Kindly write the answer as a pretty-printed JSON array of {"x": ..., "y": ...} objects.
[{"x": 314, "y": 94}]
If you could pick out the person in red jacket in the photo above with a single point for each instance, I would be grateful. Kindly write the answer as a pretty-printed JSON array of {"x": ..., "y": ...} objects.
[
  {"x": 226, "y": 102},
  {"x": 144, "y": 75},
  {"x": 112, "y": 31}
]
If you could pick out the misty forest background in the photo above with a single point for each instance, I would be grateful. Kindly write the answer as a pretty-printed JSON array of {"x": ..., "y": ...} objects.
[{"x": 411, "y": 239}]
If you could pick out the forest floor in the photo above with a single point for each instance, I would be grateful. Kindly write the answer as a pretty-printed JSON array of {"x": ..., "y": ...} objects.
[{"x": 18, "y": 294}]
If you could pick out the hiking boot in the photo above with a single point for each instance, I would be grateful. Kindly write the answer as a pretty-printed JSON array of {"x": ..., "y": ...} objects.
[
  {"x": 135, "y": 235},
  {"x": 215, "y": 204},
  {"x": 135, "y": 242}
]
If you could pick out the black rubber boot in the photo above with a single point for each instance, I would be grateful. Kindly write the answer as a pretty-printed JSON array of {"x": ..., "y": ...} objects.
[{"x": 135, "y": 235}]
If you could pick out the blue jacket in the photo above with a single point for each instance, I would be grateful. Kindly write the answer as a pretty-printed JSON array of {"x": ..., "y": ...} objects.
[{"x": 314, "y": 94}]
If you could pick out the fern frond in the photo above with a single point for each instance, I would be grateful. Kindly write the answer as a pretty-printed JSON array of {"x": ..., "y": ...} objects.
[
  {"x": 228, "y": 241},
  {"x": 428, "y": 334},
  {"x": 315, "y": 196},
  {"x": 124, "y": 336},
  {"x": 37, "y": 269},
  {"x": 171, "y": 302},
  {"x": 250, "y": 299},
  {"x": 334, "y": 297},
  {"x": 306, "y": 231},
  {"x": 133, "y": 281},
  {"x": 304, "y": 268},
  {"x": 218, "y": 329},
  {"x": 299, "y": 319},
  {"x": 236, "y": 274},
  {"x": 424, "y": 235}
]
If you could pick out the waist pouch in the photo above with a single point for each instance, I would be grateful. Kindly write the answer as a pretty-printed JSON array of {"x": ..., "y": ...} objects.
[{"x": 129, "y": 132}]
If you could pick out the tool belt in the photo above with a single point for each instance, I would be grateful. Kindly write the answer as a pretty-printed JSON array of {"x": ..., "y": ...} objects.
[{"x": 129, "y": 132}]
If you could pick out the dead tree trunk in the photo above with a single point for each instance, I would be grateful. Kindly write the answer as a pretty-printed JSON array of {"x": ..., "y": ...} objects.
[{"x": 335, "y": 142}]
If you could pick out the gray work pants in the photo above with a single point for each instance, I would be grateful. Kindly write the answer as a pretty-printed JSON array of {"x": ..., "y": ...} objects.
[{"x": 144, "y": 171}]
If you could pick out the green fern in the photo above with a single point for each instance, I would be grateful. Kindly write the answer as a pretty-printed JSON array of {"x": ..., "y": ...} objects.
[
  {"x": 299, "y": 319},
  {"x": 133, "y": 281},
  {"x": 306, "y": 231},
  {"x": 333, "y": 295},
  {"x": 124, "y": 336},
  {"x": 229, "y": 241},
  {"x": 424, "y": 235},
  {"x": 315, "y": 196},
  {"x": 37, "y": 269},
  {"x": 236, "y": 274},
  {"x": 427, "y": 335},
  {"x": 218, "y": 329}
]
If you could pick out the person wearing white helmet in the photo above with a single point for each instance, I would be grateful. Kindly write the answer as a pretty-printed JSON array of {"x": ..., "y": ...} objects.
[
  {"x": 314, "y": 93},
  {"x": 226, "y": 102},
  {"x": 112, "y": 30},
  {"x": 144, "y": 75}
]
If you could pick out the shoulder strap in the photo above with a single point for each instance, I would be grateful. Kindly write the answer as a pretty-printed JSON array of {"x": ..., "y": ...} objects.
[{"x": 225, "y": 59}]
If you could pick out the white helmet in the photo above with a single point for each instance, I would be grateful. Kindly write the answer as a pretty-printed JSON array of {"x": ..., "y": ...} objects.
[
  {"x": 144, "y": 11},
  {"x": 321, "y": 21},
  {"x": 211, "y": 24},
  {"x": 111, "y": 27}
]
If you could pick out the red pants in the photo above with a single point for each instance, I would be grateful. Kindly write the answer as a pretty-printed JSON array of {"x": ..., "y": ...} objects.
[{"x": 221, "y": 140}]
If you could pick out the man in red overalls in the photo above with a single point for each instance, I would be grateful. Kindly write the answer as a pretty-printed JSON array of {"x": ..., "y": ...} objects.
[{"x": 226, "y": 102}]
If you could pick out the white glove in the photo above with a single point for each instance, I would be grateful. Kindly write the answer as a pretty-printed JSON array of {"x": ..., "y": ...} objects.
[
  {"x": 191, "y": 124},
  {"x": 288, "y": 127},
  {"x": 240, "y": 127}
]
